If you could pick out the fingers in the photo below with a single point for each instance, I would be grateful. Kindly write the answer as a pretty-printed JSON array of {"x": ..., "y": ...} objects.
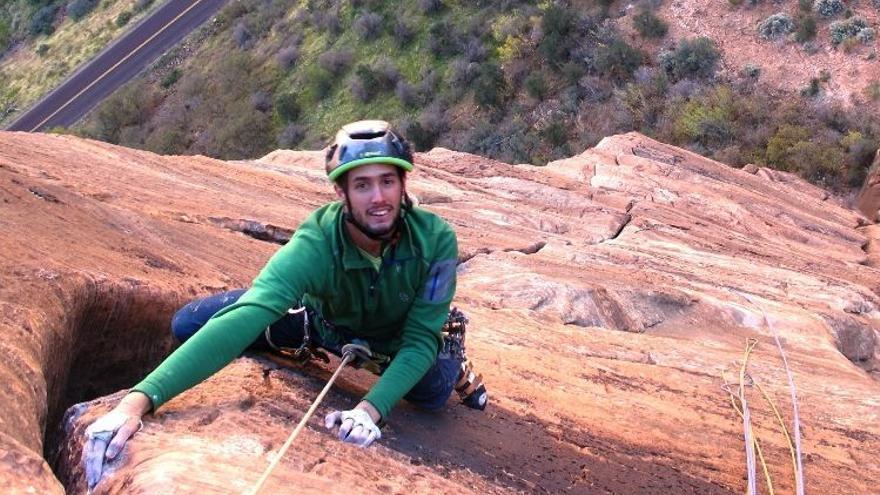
[
  {"x": 345, "y": 428},
  {"x": 93, "y": 457},
  {"x": 122, "y": 435},
  {"x": 332, "y": 419}
]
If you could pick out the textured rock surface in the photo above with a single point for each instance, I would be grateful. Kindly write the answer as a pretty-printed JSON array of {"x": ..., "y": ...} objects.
[
  {"x": 608, "y": 295},
  {"x": 869, "y": 196}
]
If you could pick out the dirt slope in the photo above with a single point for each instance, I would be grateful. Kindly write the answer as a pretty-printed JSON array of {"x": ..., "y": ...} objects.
[{"x": 608, "y": 293}]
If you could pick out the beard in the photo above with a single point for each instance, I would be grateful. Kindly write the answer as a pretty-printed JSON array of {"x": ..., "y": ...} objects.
[{"x": 367, "y": 224}]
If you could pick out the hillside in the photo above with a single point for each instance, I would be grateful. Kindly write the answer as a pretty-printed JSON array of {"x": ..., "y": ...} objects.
[
  {"x": 612, "y": 297},
  {"x": 44, "y": 41},
  {"x": 519, "y": 81}
]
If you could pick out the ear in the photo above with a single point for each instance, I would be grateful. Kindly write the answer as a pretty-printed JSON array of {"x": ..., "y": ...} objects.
[{"x": 339, "y": 192}]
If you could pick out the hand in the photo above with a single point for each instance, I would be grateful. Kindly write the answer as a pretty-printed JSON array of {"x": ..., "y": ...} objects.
[
  {"x": 356, "y": 426},
  {"x": 106, "y": 437}
]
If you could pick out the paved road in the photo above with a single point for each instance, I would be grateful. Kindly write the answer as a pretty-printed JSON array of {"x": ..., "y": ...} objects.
[{"x": 117, "y": 64}]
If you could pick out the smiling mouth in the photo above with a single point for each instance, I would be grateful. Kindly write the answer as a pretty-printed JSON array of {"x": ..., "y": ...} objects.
[{"x": 379, "y": 212}]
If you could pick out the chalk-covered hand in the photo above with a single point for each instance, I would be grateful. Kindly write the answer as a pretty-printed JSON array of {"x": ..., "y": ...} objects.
[
  {"x": 355, "y": 426},
  {"x": 105, "y": 439}
]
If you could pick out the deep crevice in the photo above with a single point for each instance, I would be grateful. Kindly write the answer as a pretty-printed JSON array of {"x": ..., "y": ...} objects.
[
  {"x": 258, "y": 230},
  {"x": 112, "y": 335}
]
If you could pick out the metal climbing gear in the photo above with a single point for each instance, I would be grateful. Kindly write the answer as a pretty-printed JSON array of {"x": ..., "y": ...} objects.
[
  {"x": 307, "y": 349},
  {"x": 349, "y": 353}
]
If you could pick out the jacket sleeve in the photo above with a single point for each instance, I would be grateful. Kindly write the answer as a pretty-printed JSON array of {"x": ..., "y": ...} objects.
[
  {"x": 421, "y": 335},
  {"x": 289, "y": 274}
]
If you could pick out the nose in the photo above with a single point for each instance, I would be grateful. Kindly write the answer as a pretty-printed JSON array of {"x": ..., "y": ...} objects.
[{"x": 376, "y": 194}]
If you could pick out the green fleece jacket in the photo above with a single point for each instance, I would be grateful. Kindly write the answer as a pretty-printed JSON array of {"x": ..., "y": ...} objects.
[{"x": 399, "y": 309}]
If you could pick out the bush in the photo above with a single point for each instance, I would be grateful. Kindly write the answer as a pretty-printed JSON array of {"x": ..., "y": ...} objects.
[
  {"x": 364, "y": 84},
  {"x": 141, "y": 5},
  {"x": 43, "y": 49},
  {"x": 403, "y": 31},
  {"x": 618, "y": 60},
  {"x": 462, "y": 73},
  {"x": 443, "y": 39},
  {"x": 386, "y": 74},
  {"x": 261, "y": 101},
  {"x": 649, "y": 25},
  {"x": 536, "y": 86},
  {"x": 43, "y": 21},
  {"x": 806, "y": 29},
  {"x": 242, "y": 35},
  {"x": 287, "y": 57},
  {"x": 291, "y": 135},
  {"x": 123, "y": 18},
  {"x": 694, "y": 58},
  {"x": 708, "y": 121},
  {"x": 336, "y": 62},
  {"x": 854, "y": 27},
  {"x": 286, "y": 107},
  {"x": 77, "y": 9},
  {"x": 406, "y": 93},
  {"x": 171, "y": 78},
  {"x": 490, "y": 87},
  {"x": 368, "y": 25},
  {"x": 557, "y": 25},
  {"x": 828, "y": 8},
  {"x": 431, "y": 6},
  {"x": 775, "y": 26}
]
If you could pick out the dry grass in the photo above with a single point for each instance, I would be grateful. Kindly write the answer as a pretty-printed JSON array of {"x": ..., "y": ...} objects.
[{"x": 25, "y": 75}]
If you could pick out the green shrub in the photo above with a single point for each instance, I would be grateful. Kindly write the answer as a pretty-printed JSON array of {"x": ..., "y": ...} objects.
[
  {"x": 649, "y": 25},
  {"x": 142, "y": 5},
  {"x": 77, "y": 9},
  {"x": 490, "y": 87},
  {"x": 693, "y": 58},
  {"x": 557, "y": 25},
  {"x": 171, "y": 78},
  {"x": 336, "y": 62},
  {"x": 828, "y": 8},
  {"x": 854, "y": 27},
  {"x": 618, "y": 60},
  {"x": 364, "y": 84},
  {"x": 43, "y": 20},
  {"x": 444, "y": 39},
  {"x": 368, "y": 25},
  {"x": 291, "y": 135},
  {"x": 123, "y": 18},
  {"x": 776, "y": 26},
  {"x": 708, "y": 121},
  {"x": 287, "y": 107},
  {"x": 536, "y": 86},
  {"x": 43, "y": 49},
  {"x": 806, "y": 28},
  {"x": 555, "y": 133}
]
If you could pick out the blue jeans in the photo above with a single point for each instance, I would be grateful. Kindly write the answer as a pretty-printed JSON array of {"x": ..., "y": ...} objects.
[{"x": 431, "y": 392}]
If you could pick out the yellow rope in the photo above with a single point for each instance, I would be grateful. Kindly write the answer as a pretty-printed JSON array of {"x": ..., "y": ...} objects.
[{"x": 782, "y": 424}]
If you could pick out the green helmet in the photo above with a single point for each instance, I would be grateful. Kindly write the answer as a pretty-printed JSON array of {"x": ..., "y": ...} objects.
[{"x": 365, "y": 142}]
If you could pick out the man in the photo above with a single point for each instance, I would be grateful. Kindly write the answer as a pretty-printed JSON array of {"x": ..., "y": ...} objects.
[{"x": 369, "y": 269}]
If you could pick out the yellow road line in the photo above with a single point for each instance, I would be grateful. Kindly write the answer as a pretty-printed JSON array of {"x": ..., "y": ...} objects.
[{"x": 157, "y": 33}]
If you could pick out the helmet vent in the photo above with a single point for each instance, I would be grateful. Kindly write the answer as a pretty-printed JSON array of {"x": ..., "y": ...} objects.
[{"x": 367, "y": 135}]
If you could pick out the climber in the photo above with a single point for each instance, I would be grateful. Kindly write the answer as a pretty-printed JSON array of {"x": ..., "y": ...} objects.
[{"x": 371, "y": 268}]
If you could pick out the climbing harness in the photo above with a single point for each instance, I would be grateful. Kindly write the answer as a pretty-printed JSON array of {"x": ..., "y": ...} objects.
[
  {"x": 350, "y": 352},
  {"x": 307, "y": 350}
]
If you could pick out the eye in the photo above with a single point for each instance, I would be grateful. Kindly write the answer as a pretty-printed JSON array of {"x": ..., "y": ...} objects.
[{"x": 360, "y": 186}]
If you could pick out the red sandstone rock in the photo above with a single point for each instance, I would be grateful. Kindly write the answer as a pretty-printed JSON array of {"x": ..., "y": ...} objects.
[{"x": 606, "y": 296}]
